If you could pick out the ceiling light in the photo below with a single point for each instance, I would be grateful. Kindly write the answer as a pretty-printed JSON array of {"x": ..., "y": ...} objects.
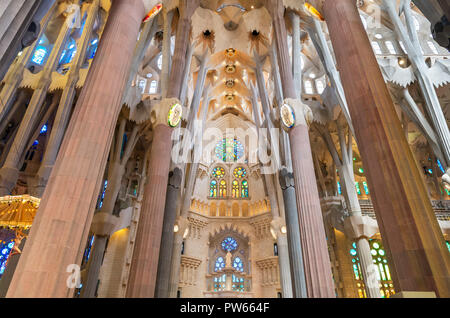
[
  {"x": 378, "y": 36},
  {"x": 312, "y": 75}
]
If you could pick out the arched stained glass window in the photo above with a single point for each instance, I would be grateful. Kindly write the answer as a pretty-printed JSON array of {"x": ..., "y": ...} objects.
[
  {"x": 229, "y": 244},
  {"x": 236, "y": 193},
  {"x": 222, "y": 188},
  {"x": 220, "y": 263},
  {"x": 218, "y": 172},
  {"x": 237, "y": 264},
  {"x": 239, "y": 172},
  {"x": 244, "y": 189},
  {"x": 213, "y": 189},
  {"x": 229, "y": 150}
]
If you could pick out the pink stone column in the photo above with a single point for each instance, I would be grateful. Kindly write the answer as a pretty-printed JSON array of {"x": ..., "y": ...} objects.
[
  {"x": 62, "y": 222},
  {"x": 316, "y": 260},
  {"x": 415, "y": 247},
  {"x": 144, "y": 266}
]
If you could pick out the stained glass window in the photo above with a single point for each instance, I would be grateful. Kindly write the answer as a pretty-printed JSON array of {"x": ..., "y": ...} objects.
[
  {"x": 222, "y": 188},
  {"x": 218, "y": 172},
  {"x": 240, "y": 172},
  {"x": 366, "y": 188},
  {"x": 382, "y": 269},
  {"x": 235, "y": 189},
  {"x": 39, "y": 55},
  {"x": 5, "y": 250},
  {"x": 238, "y": 283},
  {"x": 229, "y": 244},
  {"x": 448, "y": 245},
  {"x": 237, "y": 264},
  {"x": 244, "y": 189},
  {"x": 358, "y": 189},
  {"x": 220, "y": 263},
  {"x": 219, "y": 283},
  {"x": 229, "y": 150},
  {"x": 213, "y": 189}
]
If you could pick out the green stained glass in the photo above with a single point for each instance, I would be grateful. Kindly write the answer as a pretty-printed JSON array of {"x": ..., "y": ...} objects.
[
  {"x": 358, "y": 190},
  {"x": 366, "y": 188}
]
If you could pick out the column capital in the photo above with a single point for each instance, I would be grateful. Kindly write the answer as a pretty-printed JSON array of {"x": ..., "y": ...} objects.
[
  {"x": 167, "y": 112},
  {"x": 286, "y": 178},
  {"x": 294, "y": 113},
  {"x": 360, "y": 226},
  {"x": 103, "y": 223}
]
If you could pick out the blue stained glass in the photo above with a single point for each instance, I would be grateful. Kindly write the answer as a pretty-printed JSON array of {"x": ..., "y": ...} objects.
[
  {"x": 237, "y": 264},
  {"x": 220, "y": 263},
  {"x": 440, "y": 166},
  {"x": 5, "y": 250},
  {"x": 339, "y": 187},
  {"x": 229, "y": 244},
  {"x": 35, "y": 143},
  {"x": 44, "y": 129},
  {"x": 39, "y": 55}
]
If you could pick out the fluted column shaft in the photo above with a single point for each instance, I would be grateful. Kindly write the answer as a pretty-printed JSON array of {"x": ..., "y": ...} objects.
[
  {"x": 65, "y": 213},
  {"x": 144, "y": 266},
  {"x": 148, "y": 239},
  {"x": 316, "y": 259},
  {"x": 165, "y": 256},
  {"x": 399, "y": 195}
]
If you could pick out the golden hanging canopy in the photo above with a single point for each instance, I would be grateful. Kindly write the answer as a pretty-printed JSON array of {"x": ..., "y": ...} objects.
[{"x": 18, "y": 211}]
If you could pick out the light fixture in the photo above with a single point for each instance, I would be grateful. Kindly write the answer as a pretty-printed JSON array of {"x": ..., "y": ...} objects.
[
  {"x": 283, "y": 229},
  {"x": 230, "y": 69},
  {"x": 176, "y": 228},
  {"x": 312, "y": 75},
  {"x": 378, "y": 36}
]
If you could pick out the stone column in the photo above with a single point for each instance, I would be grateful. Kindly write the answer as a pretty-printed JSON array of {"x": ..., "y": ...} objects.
[
  {"x": 65, "y": 104},
  {"x": 417, "y": 254},
  {"x": 316, "y": 259},
  {"x": 102, "y": 227},
  {"x": 165, "y": 255},
  {"x": 65, "y": 213},
  {"x": 277, "y": 221},
  {"x": 166, "y": 52},
  {"x": 296, "y": 53},
  {"x": 148, "y": 239},
  {"x": 293, "y": 234},
  {"x": 360, "y": 228},
  {"x": 144, "y": 266},
  {"x": 9, "y": 173}
]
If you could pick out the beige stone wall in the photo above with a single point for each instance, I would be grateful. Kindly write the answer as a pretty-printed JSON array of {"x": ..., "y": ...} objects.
[{"x": 113, "y": 263}]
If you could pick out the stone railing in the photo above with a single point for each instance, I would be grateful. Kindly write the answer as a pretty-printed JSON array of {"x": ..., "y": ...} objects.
[{"x": 441, "y": 209}]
